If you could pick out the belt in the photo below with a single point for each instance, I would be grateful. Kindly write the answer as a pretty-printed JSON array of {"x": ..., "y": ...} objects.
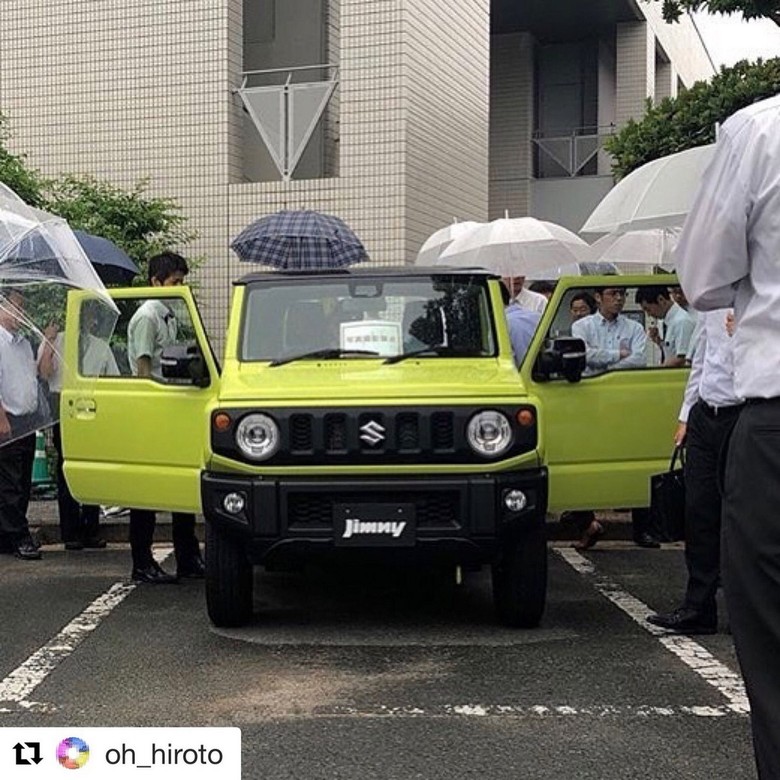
[{"x": 719, "y": 411}]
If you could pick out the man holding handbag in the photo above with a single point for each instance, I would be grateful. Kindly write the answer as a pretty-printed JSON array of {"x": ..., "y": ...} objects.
[{"x": 709, "y": 410}]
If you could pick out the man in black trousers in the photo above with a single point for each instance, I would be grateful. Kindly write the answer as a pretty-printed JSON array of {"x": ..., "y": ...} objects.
[
  {"x": 152, "y": 328},
  {"x": 729, "y": 254},
  {"x": 710, "y": 409}
]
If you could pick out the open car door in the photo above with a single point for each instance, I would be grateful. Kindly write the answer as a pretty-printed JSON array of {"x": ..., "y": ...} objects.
[
  {"x": 604, "y": 433},
  {"x": 128, "y": 440}
]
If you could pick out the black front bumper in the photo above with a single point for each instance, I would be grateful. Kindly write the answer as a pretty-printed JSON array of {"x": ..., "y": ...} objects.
[{"x": 459, "y": 518}]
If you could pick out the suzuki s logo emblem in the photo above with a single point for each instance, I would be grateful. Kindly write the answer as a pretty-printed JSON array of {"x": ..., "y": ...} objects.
[{"x": 372, "y": 432}]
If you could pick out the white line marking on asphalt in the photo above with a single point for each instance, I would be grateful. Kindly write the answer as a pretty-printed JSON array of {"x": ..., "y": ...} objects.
[
  {"x": 23, "y": 680},
  {"x": 529, "y": 711},
  {"x": 691, "y": 653}
]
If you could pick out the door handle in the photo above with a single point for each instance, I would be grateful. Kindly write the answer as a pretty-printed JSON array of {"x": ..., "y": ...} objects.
[{"x": 84, "y": 407}]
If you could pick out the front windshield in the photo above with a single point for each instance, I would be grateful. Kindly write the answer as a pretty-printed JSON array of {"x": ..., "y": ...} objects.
[{"x": 368, "y": 317}]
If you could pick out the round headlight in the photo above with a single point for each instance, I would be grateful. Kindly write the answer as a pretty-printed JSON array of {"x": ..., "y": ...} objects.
[
  {"x": 489, "y": 433},
  {"x": 257, "y": 436}
]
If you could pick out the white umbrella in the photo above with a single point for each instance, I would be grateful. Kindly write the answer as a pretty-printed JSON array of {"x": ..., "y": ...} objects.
[
  {"x": 516, "y": 247},
  {"x": 657, "y": 194},
  {"x": 638, "y": 251},
  {"x": 437, "y": 242}
]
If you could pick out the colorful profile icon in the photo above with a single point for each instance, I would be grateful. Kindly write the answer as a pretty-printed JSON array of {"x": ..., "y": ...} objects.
[{"x": 72, "y": 753}]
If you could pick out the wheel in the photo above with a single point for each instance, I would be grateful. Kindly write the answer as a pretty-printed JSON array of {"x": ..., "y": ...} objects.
[
  {"x": 520, "y": 580},
  {"x": 229, "y": 580}
]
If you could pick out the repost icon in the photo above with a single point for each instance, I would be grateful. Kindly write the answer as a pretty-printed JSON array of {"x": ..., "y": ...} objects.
[{"x": 72, "y": 753}]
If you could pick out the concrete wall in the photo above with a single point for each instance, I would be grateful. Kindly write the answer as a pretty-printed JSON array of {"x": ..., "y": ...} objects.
[
  {"x": 682, "y": 44},
  {"x": 568, "y": 202}
]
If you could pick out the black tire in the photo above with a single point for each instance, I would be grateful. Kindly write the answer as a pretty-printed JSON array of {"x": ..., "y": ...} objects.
[
  {"x": 520, "y": 580},
  {"x": 229, "y": 580}
]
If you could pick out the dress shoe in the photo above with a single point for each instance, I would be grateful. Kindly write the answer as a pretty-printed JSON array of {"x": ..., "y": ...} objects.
[
  {"x": 646, "y": 540},
  {"x": 593, "y": 533},
  {"x": 193, "y": 569},
  {"x": 94, "y": 543},
  {"x": 75, "y": 545},
  {"x": 27, "y": 550},
  {"x": 686, "y": 620},
  {"x": 153, "y": 574}
]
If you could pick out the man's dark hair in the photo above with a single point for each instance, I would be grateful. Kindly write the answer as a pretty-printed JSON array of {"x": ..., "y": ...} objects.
[
  {"x": 587, "y": 299},
  {"x": 506, "y": 296},
  {"x": 652, "y": 294},
  {"x": 164, "y": 265}
]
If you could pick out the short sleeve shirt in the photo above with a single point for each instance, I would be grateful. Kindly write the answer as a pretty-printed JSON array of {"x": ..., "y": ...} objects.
[
  {"x": 678, "y": 332},
  {"x": 152, "y": 328},
  {"x": 18, "y": 374}
]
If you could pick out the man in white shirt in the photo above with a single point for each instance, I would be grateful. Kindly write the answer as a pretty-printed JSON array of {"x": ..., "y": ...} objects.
[
  {"x": 729, "y": 255},
  {"x": 152, "y": 328},
  {"x": 709, "y": 410},
  {"x": 613, "y": 342},
  {"x": 678, "y": 325},
  {"x": 522, "y": 296},
  {"x": 19, "y": 417}
]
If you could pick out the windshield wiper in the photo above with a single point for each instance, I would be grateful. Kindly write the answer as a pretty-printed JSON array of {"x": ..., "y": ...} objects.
[
  {"x": 325, "y": 354},
  {"x": 434, "y": 349}
]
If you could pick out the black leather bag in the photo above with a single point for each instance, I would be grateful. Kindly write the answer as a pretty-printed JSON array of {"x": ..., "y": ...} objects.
[{"x": 667, "y": 500}]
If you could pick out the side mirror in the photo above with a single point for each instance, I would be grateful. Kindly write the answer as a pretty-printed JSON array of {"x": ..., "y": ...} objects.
[
  {"x": 561, "y": 357},
  {"x": 184, "y": 362}
]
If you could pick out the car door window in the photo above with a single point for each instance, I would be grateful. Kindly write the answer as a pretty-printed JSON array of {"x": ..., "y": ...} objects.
[
  {"x": 625, "y": 327},
  {"x": 111, "y": 345}
]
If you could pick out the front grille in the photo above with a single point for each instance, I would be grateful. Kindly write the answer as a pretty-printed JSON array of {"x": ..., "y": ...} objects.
[
  {"x": 300, "y": 433},
  {"x": 382, "y": 436},
  {"x": 434, "y": 509}
]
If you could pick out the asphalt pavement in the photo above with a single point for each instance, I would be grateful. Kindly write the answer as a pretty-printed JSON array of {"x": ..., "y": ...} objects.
[{"x": 376, "y": 673}]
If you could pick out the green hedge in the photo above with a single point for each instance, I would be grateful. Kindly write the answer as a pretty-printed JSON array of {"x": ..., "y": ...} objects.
[{"x": 689, "y": 119}]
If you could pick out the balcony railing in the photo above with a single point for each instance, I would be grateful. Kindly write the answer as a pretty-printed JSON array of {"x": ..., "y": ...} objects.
[{"x": 570, "y": 152}]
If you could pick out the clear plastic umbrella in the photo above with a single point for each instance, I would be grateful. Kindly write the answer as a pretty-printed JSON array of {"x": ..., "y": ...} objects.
[
  {"x": 40, "y": 258},
  {"x": 516, "y": 247},
  {"x": 578, "y": 269},
  {"x": 437, "y": 242},
  {"x": 658, "y": 194}
]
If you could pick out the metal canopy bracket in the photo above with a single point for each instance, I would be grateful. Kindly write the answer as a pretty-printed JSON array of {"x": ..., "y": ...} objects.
[{"x": 285, "y": 115}]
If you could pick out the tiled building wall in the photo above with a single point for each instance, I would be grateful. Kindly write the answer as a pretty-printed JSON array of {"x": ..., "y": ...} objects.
[
  {"x": 635, "y": 72},
  {"x": 511, "y": 123},
  {"x": 128, "y": 91},
  {"x": 446, "y": 85},
  {"x": 369, "y": 193},
  {"x": 682, "y": 44}
]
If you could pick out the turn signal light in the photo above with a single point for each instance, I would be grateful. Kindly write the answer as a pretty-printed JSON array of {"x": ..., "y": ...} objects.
[
  {"x": 222, "y": 421},
  {"x": 526, "y": 418}
]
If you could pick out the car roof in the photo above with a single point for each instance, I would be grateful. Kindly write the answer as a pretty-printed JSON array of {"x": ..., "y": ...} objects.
[{"x": 363, "y": 272}]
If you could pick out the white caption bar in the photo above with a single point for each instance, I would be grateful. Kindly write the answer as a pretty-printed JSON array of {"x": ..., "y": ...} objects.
[{"x": 118, "y": 753}]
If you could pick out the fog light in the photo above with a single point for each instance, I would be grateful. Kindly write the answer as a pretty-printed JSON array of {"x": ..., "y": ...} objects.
[
  {"x": 234, "y": 503},
  {"x": 515, "y": 500}
]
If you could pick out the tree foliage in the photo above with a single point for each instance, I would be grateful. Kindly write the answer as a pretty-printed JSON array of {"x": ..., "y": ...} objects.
[
  {"x": 750, "y": 9},
  {"x": 690, "y": 119}
]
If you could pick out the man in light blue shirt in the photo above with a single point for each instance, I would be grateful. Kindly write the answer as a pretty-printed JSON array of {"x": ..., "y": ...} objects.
[
  {"x": 613, "y": 341},
  {"x": 678, "y": 325},
  {"x": 521, "y": 324}
]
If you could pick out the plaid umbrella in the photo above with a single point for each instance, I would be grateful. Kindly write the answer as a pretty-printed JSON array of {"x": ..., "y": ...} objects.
[{"x": 299, "y": 241}]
